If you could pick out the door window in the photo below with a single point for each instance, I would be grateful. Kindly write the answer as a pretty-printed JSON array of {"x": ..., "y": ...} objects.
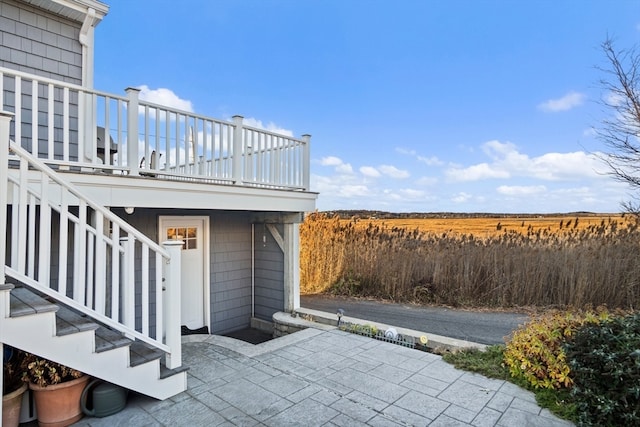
[{"x": 188, "y": 234}]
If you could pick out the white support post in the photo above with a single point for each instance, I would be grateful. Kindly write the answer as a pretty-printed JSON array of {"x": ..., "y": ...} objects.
[
  {"x": 5, "y": 121},
  {"x": 172, "y": 303},
  {"x": 306, "y": 162},
  {"x": 236, "y": 168},
  {"x": 1, "y": 380},
  {"x": 132, "y": 131},
  {"x": 128, "y": 282},
  {"x": 291, "y": 267}
]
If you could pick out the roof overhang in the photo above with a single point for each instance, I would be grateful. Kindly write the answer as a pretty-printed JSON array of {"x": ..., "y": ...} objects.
[{"x": 75, "y": 10}]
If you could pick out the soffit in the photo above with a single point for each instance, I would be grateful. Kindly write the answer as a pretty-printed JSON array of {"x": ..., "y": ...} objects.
[{"x": 75, "y": 10}]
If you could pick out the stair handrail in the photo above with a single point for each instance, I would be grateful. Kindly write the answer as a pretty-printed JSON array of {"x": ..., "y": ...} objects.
[
  {"x": 173, "y": 346},
  {"x": 54, "y": 176}
]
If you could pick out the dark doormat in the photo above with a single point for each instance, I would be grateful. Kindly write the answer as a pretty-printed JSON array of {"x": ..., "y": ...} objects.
[
  {"x": 250, "y": 335},
  {"x": 187, "y": 331}
]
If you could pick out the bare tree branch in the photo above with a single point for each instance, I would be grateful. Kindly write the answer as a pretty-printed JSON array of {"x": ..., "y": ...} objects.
[{"x": 620, "y": 132}]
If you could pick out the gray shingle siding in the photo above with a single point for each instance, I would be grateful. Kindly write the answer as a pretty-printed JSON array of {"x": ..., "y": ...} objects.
[
  {"x": 229, "y": 268},
  {"x": 230, "y": 271},
  {"x": 269, "y": 275},
  {"x": 45, "y": 44},
  {"x": 38, "y": 41}
]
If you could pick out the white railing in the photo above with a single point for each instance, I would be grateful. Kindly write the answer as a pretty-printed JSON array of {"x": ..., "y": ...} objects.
[
  {"x": 97, "y": 263},
  {"x": 67, "y": 125}
]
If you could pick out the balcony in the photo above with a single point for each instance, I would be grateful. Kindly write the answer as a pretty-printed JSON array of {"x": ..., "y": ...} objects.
[{"x": 76, "y": 129}]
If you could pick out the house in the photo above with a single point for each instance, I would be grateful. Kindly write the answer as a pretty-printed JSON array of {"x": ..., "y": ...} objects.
[{"x": 124, "y": 222}]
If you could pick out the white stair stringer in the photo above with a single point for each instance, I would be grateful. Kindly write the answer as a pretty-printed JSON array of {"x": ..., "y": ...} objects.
[{"x": 36, "y": 333}]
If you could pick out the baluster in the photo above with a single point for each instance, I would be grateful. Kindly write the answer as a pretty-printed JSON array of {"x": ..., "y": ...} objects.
[
  {"x": 128, "y": 284},
  {"x": 51, "y": 154},
  {"x": 5, "y": 124},
  {"x": 115, "y": 271},
  {"x": 145, "y": 289},
  {"x": 100, "y": 264}
]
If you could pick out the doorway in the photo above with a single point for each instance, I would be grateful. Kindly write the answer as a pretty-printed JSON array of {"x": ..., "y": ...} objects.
[{"x": 194, "y": 286}]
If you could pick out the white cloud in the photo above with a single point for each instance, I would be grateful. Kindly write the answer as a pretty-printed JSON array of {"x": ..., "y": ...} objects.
[
  {"x": 339, "y": 166},
  {"x": 614, "y": 99},
  {"x": 476, "y": 173},
  {"x": 547, "y": 182},
  {"x": 556, "y": 166},
  {"x": 410, "y": 193},
  {"x": 521, "y": 190},
  {"x": 496, "y": 149},
  {"x": 429, "y": 161},
  {"x": 405, "y": 151},
  {"x": 369, "y": 171},
  {"x": 461, "y": 197},
  {"x": 354, "y": 191},
  {"x": 330, "y": 161},
  {"x": 271, "y": 127},
  {"x": 393, "y": 172},
  {"x": 427, "y": 181},
  {"x": 508, "y": 162},
  {"x": 164, "y": 97},
  {"x": 567, "y": 102},
  {"x": 344, "y": 168},
  {"x": 336, "y": 187}
]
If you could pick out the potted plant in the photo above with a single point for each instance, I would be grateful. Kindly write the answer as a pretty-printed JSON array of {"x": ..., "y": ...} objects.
[
  {"x": 56, "y": 390},
  {"x": 12, "y": 386}
]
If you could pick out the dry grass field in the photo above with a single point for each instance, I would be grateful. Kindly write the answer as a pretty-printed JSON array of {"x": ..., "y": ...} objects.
[
  {"x": 476, "y": 262},
  {"x": 490, "y": 226}
]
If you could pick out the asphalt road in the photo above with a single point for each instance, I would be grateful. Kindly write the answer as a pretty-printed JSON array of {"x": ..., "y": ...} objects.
[{"x": 477, "y": 326}]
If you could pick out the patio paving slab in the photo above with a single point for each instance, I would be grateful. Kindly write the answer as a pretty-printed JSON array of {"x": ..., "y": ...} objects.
[{"x": 356, "y": 381}]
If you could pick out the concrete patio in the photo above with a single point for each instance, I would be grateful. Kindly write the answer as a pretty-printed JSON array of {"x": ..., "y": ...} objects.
[{"x": 326, "y": 377}]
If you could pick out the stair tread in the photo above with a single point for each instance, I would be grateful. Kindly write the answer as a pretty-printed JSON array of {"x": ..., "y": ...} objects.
[
  {"x": 166, "y": 372},
  {"x": 69, "y": 322},
  {"x": 24, "y": 302},
  {"x": 140, "y": 353},
  {"x": 108, "y": 339}
]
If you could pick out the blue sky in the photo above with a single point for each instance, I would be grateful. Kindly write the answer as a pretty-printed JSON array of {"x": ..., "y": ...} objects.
[{"x": 425, "y": 106}]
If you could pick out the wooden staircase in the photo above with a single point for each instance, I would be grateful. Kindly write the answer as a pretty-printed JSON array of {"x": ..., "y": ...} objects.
[
  {"x": 80, "y": 286},
  {"x": 53, "y": 331}
]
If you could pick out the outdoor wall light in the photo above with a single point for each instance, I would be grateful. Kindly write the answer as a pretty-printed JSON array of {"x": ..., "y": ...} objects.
[{"x": 129, "y": 210}]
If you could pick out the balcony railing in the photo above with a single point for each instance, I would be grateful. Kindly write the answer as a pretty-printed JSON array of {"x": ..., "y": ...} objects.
[{"x": 71, "y": 127}]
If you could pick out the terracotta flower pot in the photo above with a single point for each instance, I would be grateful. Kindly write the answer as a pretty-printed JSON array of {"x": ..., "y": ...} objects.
[
  {"x": 58, "y": 405},
  {"x": 11, "y": 405}
]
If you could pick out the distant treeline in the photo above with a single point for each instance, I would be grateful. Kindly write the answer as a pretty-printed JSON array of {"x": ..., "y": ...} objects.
[{"x": 366, "y": 214}]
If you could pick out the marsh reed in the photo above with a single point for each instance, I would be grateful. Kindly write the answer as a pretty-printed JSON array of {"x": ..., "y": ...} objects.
[{"x": 559, "y": 267}]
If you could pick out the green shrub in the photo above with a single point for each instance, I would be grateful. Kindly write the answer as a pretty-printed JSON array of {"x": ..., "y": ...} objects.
[
  {"x": 605, "y": 368},
  {"x": 535, "y": 352}
]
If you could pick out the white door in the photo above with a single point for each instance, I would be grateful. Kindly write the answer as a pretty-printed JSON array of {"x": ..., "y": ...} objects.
[{"x": 194, "y": 289}]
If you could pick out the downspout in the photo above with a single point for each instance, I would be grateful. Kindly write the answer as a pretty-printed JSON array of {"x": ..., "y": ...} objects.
[
  {"x": 86, "y": 40},
  {"x": 87, "y": 128}
]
